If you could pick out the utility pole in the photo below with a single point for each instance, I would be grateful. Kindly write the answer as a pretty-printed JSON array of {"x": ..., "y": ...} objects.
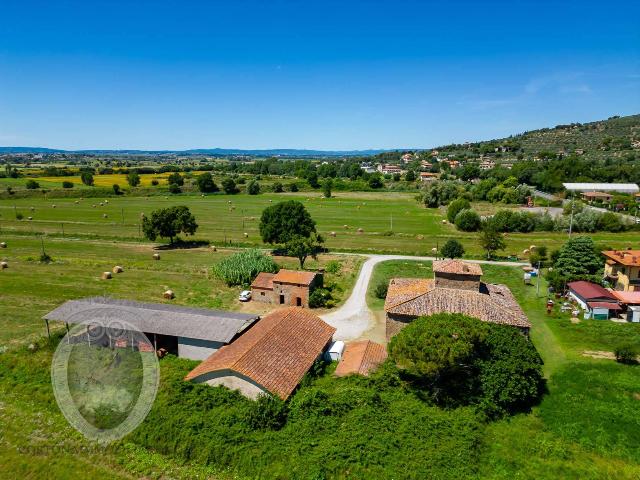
[
  {"x": 571, "y": 221},
  {"x": 538, "y": 283}
]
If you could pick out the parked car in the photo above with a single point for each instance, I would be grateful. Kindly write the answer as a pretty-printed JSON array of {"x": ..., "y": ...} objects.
[{"x": 245, "y": 296}]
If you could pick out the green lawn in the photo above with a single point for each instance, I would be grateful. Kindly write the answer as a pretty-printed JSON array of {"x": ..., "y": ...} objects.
[{"x": 391, "y": 222}]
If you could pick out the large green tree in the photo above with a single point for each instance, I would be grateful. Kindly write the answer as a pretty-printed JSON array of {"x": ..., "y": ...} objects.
[
  {"x": 491, "y": 240},
  {"x": 458, "y": 360},
  {"x": 169, "y": 222},
  {"x": 452, "y": 249},
  {"x": 456, "y": 207},
  {"x": 283, "y": 221},
  {"x": 577, "y": 259},
  {"x": 206, "y": 184},
  {"x": 133, "y": 179}
]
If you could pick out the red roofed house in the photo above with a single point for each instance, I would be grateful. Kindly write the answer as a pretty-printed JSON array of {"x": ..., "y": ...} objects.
[
  {"x": 271, "y": 357},
  {"x": 455, "y": 288},
  {"x": 361, "y": 358},
  {"x": 597, "y": 302},
  {"x": 287, "y": 287}
]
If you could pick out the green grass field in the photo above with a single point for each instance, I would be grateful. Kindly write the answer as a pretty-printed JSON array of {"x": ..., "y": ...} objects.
[{"x": 391, "y": 222}]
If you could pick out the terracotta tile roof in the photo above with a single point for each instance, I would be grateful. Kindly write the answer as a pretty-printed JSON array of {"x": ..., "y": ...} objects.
[
  {"x": 275, "y": 353},
  {"x": 457, "y": 267},
  {"x": 420, "y": 297},
  {"x": 361, "y": 357},
  {"x": 297, "y": 277},
  {"x": 630, "y": 258},
  {"x": 264, "y": 280},
  {"x": 589, "y": 290}
]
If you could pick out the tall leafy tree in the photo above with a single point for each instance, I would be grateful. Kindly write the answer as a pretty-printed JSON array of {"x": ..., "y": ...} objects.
[
  {"x": 491, "y": 240},
  {"x": 169, "y": 223},
  {"x": 87, "y": 178},
  {"x": 577, "y": 259},
  {"x": 133, "y": 179},
  {"x": 452, "y": 249},
  {"x": 206, "y": 184},
  {"x": 304, "y": 247},
  {"x": 283, "y": 221}
]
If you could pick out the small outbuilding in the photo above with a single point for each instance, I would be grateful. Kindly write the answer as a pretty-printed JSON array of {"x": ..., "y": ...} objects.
[
  {"x": 597, "y": 302},
  {"x": 361, "y": 358},
  {"x": 271, "y": 357},
  {"x": 287, "y": 287}
]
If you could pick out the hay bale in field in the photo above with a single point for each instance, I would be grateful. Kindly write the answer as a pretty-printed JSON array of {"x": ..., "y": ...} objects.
[
  {"x": 3, "y": 265},
  {"x": 525, "y": 251},
  {"x": 228, "y": 201},
  {"x": 3, "y": 244},
  {"x": 444, "y": 222},
  {"x": 156, "y": 256},
  {"x": 532, "y": 247},
  {"x": 213, "y": 248},
  {"x": 202, "y": 195},
  {"x": 76, "y": 202},
  {"x": 104, "y": 215},
  {"x": 434, "y": 250},
  {"x": 29, "y": 218},
  {"x": 346, "y": 226},
  {"x": 118, "y": 269},
  {"x": 33, "y": 209},
  {"x": 333, "y": 234},
  {"x": 106, "y": 201},
  {"x": 246, "y": 235},
  {"x": 168, "y": 294},
  {"x": 106, "y": 275},
  {"x": 53, "y": 206},
  {"x": 94, "y": 205},
  {"x": 420, "y": 237},
  {"x": 360, "y": 230}
]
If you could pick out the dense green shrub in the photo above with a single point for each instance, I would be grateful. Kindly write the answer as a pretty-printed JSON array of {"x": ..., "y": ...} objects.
[
  {"x": 456, "y": 207},
  {"x": 206, "y": 184},
  {"x": 321, "y": 297},
  {"x": 242, "y": 267},
  {"x": 174, "y": 188},
  {"x": 627, "y": 354},
  {"x": 333, "y": 266},
  {"x": 277, "y": 187},
  {"x": 32, "y": 184},
  {"x": 67, "y": 184},
  {"x": 468, "y": 220},
  {"x": 452, "y": 249},
  {"x": 381, "y": 290},
  {"x": 253, "y": 188}
]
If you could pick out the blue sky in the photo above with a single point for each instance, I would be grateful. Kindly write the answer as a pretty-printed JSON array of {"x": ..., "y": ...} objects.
[{"x": 309, "y": 74}]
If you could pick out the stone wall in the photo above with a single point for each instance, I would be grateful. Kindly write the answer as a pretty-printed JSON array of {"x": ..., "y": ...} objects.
[{"x": 461, "y": 282}]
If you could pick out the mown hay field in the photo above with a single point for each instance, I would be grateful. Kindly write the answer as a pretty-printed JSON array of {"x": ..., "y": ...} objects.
[{"x": 389, "y": 222}]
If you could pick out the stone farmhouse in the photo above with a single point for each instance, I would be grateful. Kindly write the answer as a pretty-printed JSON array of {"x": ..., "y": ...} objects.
[
  {"x": 455, "y": 288},
  {"x": 287, "y": 287}
]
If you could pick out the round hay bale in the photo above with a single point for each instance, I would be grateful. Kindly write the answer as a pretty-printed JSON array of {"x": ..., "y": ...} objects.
[
  {"x": 3, "y": 265},
  {"x": 29, "y": 218},
  {"x": 270, "y": 201},
  {"x": 213, "y": 248},
  {"x": 202, "y": 195},
  {"x": 106, "y": 201},
  {"x": 525, "y": 251},
  {"x": 434, "y": 250},
  {"x": 3, "y": 244},
  {"x": 106, "y": 275},
  {"x": 104, "y": 215},
  {"x": 360, "y": 230},
  {"x": 76, "y": 202},
  {"x": 53, "y": 206},
  {"x": 229, "y": 201},
  {"x": 118, "y": 269},
  {"x": 246, "y": 235},
  {"x": 532, "y": 247},
  {"x": 346, "y": 226},
  {"x": 33, "y": 209},
  {"x": 156, "y": 256},
  {"x": 420, "y": 237},
  {"x": 94, "y": 205},
  {"x": 333, "y": 234},
  {"x": 444, "y": 222},
  {"x": 169, "y": 295}
]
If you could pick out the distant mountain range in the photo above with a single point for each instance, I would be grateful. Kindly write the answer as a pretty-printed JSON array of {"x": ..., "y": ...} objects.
[{"x": 282, "y": 152}]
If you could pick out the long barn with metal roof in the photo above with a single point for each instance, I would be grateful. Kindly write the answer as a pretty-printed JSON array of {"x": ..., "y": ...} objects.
[{"x": 193, "y": 333}]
